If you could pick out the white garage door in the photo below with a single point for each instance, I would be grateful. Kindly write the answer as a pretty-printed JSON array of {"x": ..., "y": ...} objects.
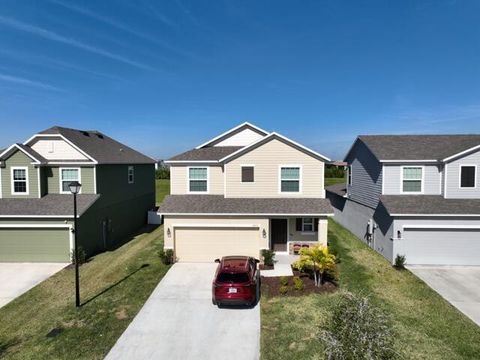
[
  {"x": 207, "y": 244},
  {"x": 441, "y": 246}
]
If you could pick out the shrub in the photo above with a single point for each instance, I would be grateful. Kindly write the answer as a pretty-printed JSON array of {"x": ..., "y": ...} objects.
[
  {"x": 316, "y": 259},
  {"x": 358, "y": 330},
  {"x": 298, "y": 283},
  {"x": 284, "y": 280},
  {"x": 268, "y": 257},
  {"x": 82, "y": 256},
  {"x": 283, "y": 289},
  {"x": 167, "y": 256},
  {"x": 400, "y": 261}
]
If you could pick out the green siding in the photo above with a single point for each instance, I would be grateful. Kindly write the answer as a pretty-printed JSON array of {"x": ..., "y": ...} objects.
[
  {"x": 52, "y": 174},
  {"x": 18, "y": 158},
  {"x": 34, "y": 245}
]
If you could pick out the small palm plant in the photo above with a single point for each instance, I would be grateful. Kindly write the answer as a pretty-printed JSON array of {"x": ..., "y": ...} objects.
[{"x": 316, "y": 259}]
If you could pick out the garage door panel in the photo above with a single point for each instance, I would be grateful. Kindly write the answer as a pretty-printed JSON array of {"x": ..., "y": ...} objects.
[
  {"x": 442, "y": 246},
  {"x": 210, "y": 243},
  {"x": 34, "y": 245}
]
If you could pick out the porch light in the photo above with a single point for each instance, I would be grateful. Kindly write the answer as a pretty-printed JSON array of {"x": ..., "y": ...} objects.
[
  {"x": 264, "y": 233},
  {"x": 74, "y": 187},
  {"x": 169, "y": 233}
]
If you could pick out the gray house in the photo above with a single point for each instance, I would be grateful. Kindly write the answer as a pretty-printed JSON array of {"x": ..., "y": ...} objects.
[
  {"x": 414, "y": 195},
  {"x": 36, "y": 207}
]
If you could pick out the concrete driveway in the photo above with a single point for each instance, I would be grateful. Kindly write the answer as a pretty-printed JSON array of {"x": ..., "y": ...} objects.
[
  {"x": 459, "y": 285},
  {"x": 17, "y": 278},
  {"x": 178, "y": 321}
]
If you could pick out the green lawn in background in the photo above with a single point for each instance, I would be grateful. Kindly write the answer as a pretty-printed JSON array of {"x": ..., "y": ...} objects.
[
  {"x": 333, "y": 181},
  {"x": 162, "y": 189}
]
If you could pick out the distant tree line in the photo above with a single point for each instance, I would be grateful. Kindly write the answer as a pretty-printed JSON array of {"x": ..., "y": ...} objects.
[{"x": 332, "y": 171}]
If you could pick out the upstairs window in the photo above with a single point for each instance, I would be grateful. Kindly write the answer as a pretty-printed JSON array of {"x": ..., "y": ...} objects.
[
  {"x": 412, "y": 178},
  {"x": 349, "y": 175},
  {"x": 198, "y": 179},
  {"x": 68, "y": 176},
  {"x": 247, "y": 174},
  {"x": 468, "y": 175},
  {"x": 20, "y": 181},
  {"x": 131, "y": 175},
  {"x": 290, "y": 179}
]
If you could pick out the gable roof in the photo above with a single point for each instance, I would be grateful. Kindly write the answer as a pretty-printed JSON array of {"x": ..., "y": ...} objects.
[
  {"x": 417, "y": 147},
  {"x": 99, "y": 147},
  {"x": 211, "y": 153},
  {"x": 27, "y": 150},
  {"x": 231, "y": 132}
]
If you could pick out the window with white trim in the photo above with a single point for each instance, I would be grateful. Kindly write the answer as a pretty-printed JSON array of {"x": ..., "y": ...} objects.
[
  {"x": 468, "y": 174},
  {"x": 412, "y": 179},
  {"x": 290, "y": 179},
  {"x": 307, "y": 225},
  {"x": 131, "y": 175},
  {"x": 67, "y": 176},
  {"x": 349, "y": 175},
  {"x": 20, "y": 181},
  {"x": 198, "y": 179}
]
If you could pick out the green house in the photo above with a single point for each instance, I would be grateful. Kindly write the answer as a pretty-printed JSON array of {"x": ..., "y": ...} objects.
[{"x": 36, "y": 207}]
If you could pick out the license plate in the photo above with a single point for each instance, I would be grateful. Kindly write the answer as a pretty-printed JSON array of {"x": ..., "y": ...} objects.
[{"x": 232, "y": 290}]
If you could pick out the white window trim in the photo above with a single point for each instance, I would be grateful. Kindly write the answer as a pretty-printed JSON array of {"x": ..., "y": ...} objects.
[
  {"x": 300, "y": 177},
  {"x": 130, "y": 167},
  {"x": 60, "y": 187},
  {"x": 241, "y": 171},
  {"x": 460, "y": 177},
  {"x": 26, "y": 180},
  {"x": 188, "y": 180},
  {"x": 422, "y": 180},
  {"x": 307, "y": 232}
]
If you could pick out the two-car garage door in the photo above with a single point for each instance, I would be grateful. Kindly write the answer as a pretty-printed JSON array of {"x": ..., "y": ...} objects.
[
  {"x": 205, "y": 244},
  {"x": 34, "y": 244},
  {"x": 437, "y": 246}
]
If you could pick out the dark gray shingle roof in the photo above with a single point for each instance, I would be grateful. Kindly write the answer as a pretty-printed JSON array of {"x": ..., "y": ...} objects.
[
  {"x": 339, "y": 189},
  {"x": 33, "y": 153},
  {"x": 102, "y": 148},
  {"x": 49, "y": 205},
  {"x": 218, "y": 204},
  {"x": 429, "y": 204},
  {"x": 418, "y": 147},
  {"x": 210, "y": 153}
]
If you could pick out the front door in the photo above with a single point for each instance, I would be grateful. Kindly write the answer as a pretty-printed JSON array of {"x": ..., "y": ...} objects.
[{"x": 279, "y": 234}]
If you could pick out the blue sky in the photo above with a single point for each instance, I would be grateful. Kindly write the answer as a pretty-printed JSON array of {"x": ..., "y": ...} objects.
[{"x": 164, "y": 76}]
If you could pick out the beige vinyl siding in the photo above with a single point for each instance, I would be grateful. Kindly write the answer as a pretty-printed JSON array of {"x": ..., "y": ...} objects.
[
  {"x": 267, "y": 159},
  {"x": 179, "y": 179},
  {"x": 19, "y": 159},
  {"x": 57, "y": 149},
  {"x": 87, "y": 179}
]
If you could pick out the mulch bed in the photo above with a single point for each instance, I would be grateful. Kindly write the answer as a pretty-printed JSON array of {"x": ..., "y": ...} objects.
[{"x": 271, "y": 286}]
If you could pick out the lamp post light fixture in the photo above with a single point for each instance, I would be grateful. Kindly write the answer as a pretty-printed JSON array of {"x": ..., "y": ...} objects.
[{"x": 75, "y": 189}]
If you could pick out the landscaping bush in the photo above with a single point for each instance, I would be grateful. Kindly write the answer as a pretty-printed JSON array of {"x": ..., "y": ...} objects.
[
  {"x": 298, "y": 283},
  {"x": 268, "y": 257},
  {"x": 358, "y": 330},
  {"x": 167, "y": 256},
  {"x": 283, "y": 289},
  {"x": 400, "y": 261},
  {"x": 82, "y": 256},
  {"x": 316, "y": 260},
  {"x": 284, "y": 280}
]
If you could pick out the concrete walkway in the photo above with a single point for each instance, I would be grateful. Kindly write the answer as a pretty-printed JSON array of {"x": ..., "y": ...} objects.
[
  {"x": 178, "y": 321},
  {"x": 282, "y": 267},
  {"x": 18, "y": 278},
  {"x": 459, "y": 285}
]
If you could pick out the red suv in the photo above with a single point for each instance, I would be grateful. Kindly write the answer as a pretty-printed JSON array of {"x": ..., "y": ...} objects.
[{"x": 236, "y": 281}]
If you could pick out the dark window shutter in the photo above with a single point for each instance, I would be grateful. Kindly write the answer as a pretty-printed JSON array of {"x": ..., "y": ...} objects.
[
  {"x": 299, "y": 224},
  {"x": 315, "y": 224},
  {"x": 247, "y": 173}
]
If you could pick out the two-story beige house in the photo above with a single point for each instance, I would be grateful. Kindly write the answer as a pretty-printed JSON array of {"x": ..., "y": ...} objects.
[{"x": 243, "y": 191}]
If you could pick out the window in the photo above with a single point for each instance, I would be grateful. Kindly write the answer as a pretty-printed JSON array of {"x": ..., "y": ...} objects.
[
  {"x": 307, "y": 224},
  {"x": 412, "y": 179},
  {"x": 468, "y": 174},
  {"x": 131, "y": 175},
  {"x": 68, "y": 176},
  {"x": 247, "y": 174},
  {"x": 198, "y": 179},
  {"x": 290, "y": 179},
  {"x": 349, "y": 175},
  {"x": 20, "y": 181}
]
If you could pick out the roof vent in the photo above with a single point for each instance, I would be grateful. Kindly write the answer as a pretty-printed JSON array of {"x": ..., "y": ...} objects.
[
  {"x": 100, "y": 136},
  {"x": 85, "y": 133}
]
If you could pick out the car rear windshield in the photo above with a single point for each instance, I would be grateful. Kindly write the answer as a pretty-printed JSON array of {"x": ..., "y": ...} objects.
[{"x": 232, "y": 277}]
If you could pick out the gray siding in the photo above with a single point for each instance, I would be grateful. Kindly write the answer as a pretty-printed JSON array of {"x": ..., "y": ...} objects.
[
  {"x": 453, "y": 189},
  {"x": 366, "y": 185},
  {"x": 392, "y": 177}
]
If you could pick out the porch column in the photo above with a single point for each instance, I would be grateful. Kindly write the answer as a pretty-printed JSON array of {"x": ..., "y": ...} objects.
[{"x": 322, "y": 231}]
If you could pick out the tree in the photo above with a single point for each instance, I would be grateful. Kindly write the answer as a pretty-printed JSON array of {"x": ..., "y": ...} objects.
[{"x": 316, "y": 259}]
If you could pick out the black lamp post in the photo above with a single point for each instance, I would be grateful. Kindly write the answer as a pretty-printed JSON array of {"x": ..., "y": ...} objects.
[{"x": 75, "y": 189}]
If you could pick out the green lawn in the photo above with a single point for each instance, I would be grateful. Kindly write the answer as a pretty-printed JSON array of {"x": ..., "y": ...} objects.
[
  {"x": 427, "y": 326},
  {"x": 333, "y": 181},
  {"x": 114, "y": 286},
  {"x": 162, "y": 189}
]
